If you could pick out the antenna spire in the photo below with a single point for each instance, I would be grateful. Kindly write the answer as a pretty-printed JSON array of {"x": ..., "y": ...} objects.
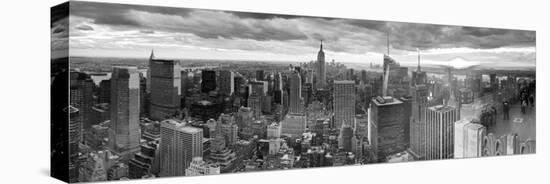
[
  {"x": 388, "y": 42},
  {"x": 321, "y": 44},
  {"x": 152, "y": 54},
  {"x": 418, "y": 50}
]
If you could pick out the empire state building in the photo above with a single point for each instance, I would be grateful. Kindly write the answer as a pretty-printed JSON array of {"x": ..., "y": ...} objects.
[{"x": 321, "y": 70}]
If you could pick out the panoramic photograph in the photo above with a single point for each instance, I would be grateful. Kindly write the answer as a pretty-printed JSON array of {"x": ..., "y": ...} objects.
[{"x": 164, "y": 91}]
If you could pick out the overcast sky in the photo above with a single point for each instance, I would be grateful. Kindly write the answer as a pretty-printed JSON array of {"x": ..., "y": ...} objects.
[{"x": 114, "y": 30}]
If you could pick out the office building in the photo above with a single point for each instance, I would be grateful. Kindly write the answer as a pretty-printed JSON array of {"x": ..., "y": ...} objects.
[
  {"x": 227, "y": 82},
  {"x": 295, "y": 95},
  {"x": 344, "y": 103},
  {"x": 440, "y": 122},
  {"x": 208, "y": 82},
  {"x": 165, "y": 88},
  {"x": 387, "y": 126},
  {"x": 293, "y": 125},
  {"x": 198, "y": 167},
  {"x": 179, "y": 145},
  {"x": 124, "y": 134},
  {"x": 274, "y": 131},
  {"x": 321, "y": 68},
  {"x": 468, "y": 139}
]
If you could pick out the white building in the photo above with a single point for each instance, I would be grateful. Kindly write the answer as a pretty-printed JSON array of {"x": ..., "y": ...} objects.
[
  {"x": 468, "y": 139},
  {"x": 179, "y": 144},
  {"x": 198, "y": 167},
  {"x": 274, "y": 131}
]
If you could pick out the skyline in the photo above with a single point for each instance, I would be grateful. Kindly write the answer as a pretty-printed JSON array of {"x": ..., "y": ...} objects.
[{"x": 132, "y": 31}]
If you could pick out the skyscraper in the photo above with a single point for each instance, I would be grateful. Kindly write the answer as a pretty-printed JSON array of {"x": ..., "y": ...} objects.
[
  {"x": 468, "y": 139},
  {"x": 179, "y": 144},
  {"x": 227, "y": 82},
  {"x": 81, "y": 97},
  {"x": 208, "y": 82},
  {"x": 320, "y": 69},
  {"x": 344, "y": 103},
  {"x": 125, "y": 135},
  {"x": 165, "y": 88},
  {"x": 387, "y": 126},
  {"x": 75, "y": 129},
  {"x": 419, "y": 93},
  {"x": 439, "y": 135},
  {"x": 296, "y": 106}
]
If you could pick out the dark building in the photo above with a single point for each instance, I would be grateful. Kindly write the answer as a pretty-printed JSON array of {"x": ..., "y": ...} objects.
[
  {"x": 387, "y": 126},
  {"x": 145, "y": 162},
  {"x": 259, "y": 75},
  {"x": 208, "y": 82},
  {"x": 165, "y": 88},
  {"x": 75, "y": 131},
  {"x": 81, "y": 97}
]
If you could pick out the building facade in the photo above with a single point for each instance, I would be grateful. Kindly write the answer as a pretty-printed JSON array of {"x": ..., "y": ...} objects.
[
  {"x": 165, "y": 88},
  {"x": 344, "y": 103},
  {"x": 125, "y": 135},
  {"x": 179, "y": 145},
  {"x": 440, "y": 122}
]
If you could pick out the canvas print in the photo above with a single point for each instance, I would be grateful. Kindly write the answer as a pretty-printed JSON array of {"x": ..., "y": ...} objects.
[{"x": 147, "y": 91}]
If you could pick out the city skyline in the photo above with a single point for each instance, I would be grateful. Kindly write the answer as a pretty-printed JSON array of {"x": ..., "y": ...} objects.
[
  {"x": 164, "y": 117},
  {"x": 132, "y": 30}
]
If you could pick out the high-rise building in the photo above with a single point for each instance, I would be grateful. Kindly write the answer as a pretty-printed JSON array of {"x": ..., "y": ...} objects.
[
  {"x": 81, "y": 97},
  {"x": 293, "y": 125},
  {"x": 255, "y": 103},
  {"x": 125, "y": 136},
  {"x": 344, "y": 103},
  {"x": 419, "y": 94},
  {"x": 387, "y": 126},
  {"x": 274, "y": 131},
  {"x": 468, "y": 139},
  {"x": 198, "y": 167},
  {"x": 259, "y": 75},
  {"x": 346, "y": 134},
  {"x": 208, "y": 82},
  {"x": 148, "y": 85},
  {"x": 295, "y": 95},
  {"x": 227, "y": 127},
  {"x": 75, "y": 129},
  {"x": 439, "y": 135},
  {"x": 227, "y": 82},
  {"x": 321, "y": 68},
  {"x": 179, "y": 144},
  {"x": 165, "y": 88}
]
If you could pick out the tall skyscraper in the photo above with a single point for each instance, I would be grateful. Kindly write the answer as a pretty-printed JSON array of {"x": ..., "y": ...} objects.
[
  {"x": 440, "y": 122},
  {"x": 387, "y": 126},
  {"x": 148, "y": 83},
  {"x": 344, "y": 103},
  {"x": 468, "y": 139},
  {"x": 179, "y": 144},
  {"x": 296, "y": 106},
  {"x": 75, "y": 129},
  {"x": 208, "y": 82},
  {"x": 320, "y": 69},
  {"x": 227, "y": 82},
  {"x": 165, "y": 88},
  {"x": 125, "y": 135},
  {"x": 81, "y": 97},
  {"x": 255, "y": 103},
  {"x": 419, "y": 93}
]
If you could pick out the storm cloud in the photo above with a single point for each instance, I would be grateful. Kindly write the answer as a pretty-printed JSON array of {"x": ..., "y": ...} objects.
[{"x": 134, "y": 25}]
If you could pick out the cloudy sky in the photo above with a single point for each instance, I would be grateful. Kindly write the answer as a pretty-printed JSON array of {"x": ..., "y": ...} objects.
[{"x": 113, "y": 30}]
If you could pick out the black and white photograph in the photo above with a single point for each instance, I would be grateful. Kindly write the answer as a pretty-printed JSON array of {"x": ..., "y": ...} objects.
[
  {"x": 153, "y": 91},
  {"x": 162, "y": 92}
]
